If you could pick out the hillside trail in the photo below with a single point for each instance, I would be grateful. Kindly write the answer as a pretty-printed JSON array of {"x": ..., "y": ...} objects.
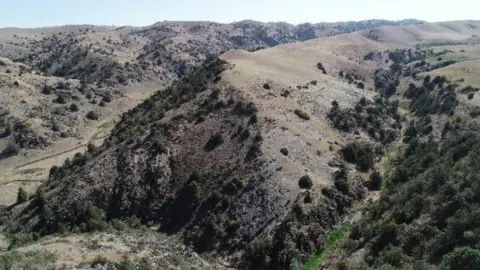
[{"x": 31, "y": 169}]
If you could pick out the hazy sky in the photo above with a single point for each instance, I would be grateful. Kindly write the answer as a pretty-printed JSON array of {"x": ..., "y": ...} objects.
[{"x": 34, "y": 13}]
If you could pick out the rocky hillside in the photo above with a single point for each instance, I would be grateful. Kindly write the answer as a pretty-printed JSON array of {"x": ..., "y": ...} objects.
[
  {"x": 81, "y": 65},
  {"x": 64, "y": 87},
  {"x": 262, "y": 158}
]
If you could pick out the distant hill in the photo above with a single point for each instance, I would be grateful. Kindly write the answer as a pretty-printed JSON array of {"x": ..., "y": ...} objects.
[{"x": 162, "y": 51}]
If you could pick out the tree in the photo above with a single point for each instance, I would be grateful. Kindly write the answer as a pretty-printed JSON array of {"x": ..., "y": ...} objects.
[
  {"x": 464, "y": 258},
  {"x": 92, "y": 115},
  {"x": 47, "y": 90},
  {"x": 74, "y": 107},
  {"x": 40, "y": 197},
  {"x": 305, "y": 182},
  {"x": 22, "y": 195}
]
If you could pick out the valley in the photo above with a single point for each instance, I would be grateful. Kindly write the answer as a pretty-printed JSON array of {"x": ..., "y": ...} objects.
[{"x": 334, "y": 150}]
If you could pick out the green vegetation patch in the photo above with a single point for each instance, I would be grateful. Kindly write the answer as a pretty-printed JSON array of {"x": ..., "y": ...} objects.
[
  {"x": 332, "y": 238},
  {"x": 26, "y": 260}
]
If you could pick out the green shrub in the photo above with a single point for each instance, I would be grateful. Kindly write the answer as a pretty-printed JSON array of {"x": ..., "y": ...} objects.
[
  {"x": 361, "y": 154},
  {"x": 257, "y": 253},
  {"x": 464, "y": 258},
  {"x": 26, "y": 260},
  {"x": 47, "y": 90},
  {"x": 22, "y": 239},
  {"x": 99, "y": 260},
  {"x": 73, "y": 107},
  {"x": 375, "y": 182},
  {"x": 214, "y": 141},
  {"x": 22, "y": 195},
  {"x": 305, "y": 182},
  {"x": 266, "y": 86},
  {"x": 92, "y": 115},
  {"x": 40, "y": 197},
  {"x": 284, "y": 151},
  {"x": 12, "y": 149},
  {"x": 301, "y": 114},
  {"x": 471, "y": 95},
  {"x": 61, "y": 99},
  {"x": 127, "y": 264}
]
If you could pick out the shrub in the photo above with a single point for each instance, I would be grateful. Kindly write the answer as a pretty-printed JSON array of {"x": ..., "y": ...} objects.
[
  {"x": 266, "y": 86},
  {"x": 321, "y": 68},
  {"x": 257, "y": 253},
  {"x": 305, "y": 182},
  {"x": 471, "y": 95},
  {"x": 285, "y": 93},
  {"x": 99, "y": 261},
  {"x": 47, "y": 90},
  {"x": 40, "y": 197},
  {"x": 127, "y": 264},
  {"x": 375, "y": 182},
  {"x": 22, "y": 239},
  {"x": 22, "y": 195},
  {"x": 106, "y": 99},
  {"x": 301, "y": 114},
  {"x": 284, "y": 151},
  {"x": 92, "y": 115},
  {"x": 102, "y": 104},
  {"x": 308, "y": 197},
  {"x": 73, "y": 107},
  {"x": 214, "y": 141},
  {"x": 359, "y": 154},
  {"x": 61, "y": 99},
  {"x": 12, "y": 149},
  {"x": 16, "y": 84}
]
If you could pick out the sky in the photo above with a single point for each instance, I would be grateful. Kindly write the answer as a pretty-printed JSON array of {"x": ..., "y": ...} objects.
[{"x": 38, "y": 13}]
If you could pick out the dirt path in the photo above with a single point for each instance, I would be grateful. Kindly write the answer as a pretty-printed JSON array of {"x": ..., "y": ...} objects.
[{"x": 61, "y": 153}]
